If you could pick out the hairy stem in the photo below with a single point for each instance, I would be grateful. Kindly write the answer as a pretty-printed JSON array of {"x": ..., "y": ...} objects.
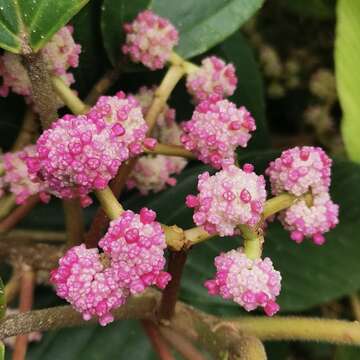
[
  {"x": 171, "y": 150},
  {"x": 169, "y": 297},
  {"x": 183, "y": 346},
  {"x": 74, "y": 221},
  {"x": 18, "y": 214},
  {"x": 42, "y": 91},
  {"x": 28, "y": 236},
  {"x": 26, "y": 300},
  {"x": 157, "y": 341},
  {"x": 355, "y": 305},
  {"x": 68, "y": 96}
]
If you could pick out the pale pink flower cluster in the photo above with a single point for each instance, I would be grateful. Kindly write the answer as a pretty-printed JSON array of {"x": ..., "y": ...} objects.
[
  {"x": 134, "y": 248},
  {"x": 88, "y": 285},
  {"x": 216, "y": 129},
  {"x": 16, "y": 177},
  {"x": 312, "y": 221},
  {"x": 60, "y": 53},
  {"x": 135, "y": 243},
  {"x": 230, "y": 197},
  {"x": 250, "y": 283},
  {"x": 79, "y": 154},
  {"x": 154, "y": 172},
  {"x": 213, "y": 77},
  {"x": 301, "y": 170},
  {"x": 150, "y": 40}
]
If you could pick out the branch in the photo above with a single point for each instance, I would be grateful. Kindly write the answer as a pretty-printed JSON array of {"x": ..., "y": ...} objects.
[
  {"x": 27, "y": 132},
  {"x": 26, "y": 301},
  {"x": 355, "y": 305},
  {"x": 74, "y": 221},
  {"x": 18, "y": 214},
  {"x": 171, "y": 150},
  {"x": 12, "y": 287},
  {"x": 19, "y": 236},
  {"x": 157, "y": 341}
]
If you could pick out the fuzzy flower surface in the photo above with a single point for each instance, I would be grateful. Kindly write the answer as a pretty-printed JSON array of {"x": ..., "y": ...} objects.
[
  {"x": 227, "y": 199},
  {"x": 59, "y": 54},
  {"x": 150, "y": 40},
  {"x": 87, "y": 285},
  {"x": 216, "y": 129},
  {"x": 155, "y": 172},
  {"x": 76, "y": 156},
  {"x": 250, "y": 283},
  {"x": 17, "y": 178},
  {"x": 123, "y": 114},
  {"x": 299, "y": 170},
  {"x": 135, "y": 245},
  {"x": 213, "y": 77},
  {"x": 311, "y": 221}
]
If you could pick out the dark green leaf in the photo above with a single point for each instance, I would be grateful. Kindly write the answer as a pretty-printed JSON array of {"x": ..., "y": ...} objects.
[
  {"x": 250, "y": 88},
  {"x": 32, "y": 22},
  {"x": 347, "y": 353},
  {"x": 202, "y": 24},
  {"x": 120, "y": 340},
  {"x": 319, "y": 9}
]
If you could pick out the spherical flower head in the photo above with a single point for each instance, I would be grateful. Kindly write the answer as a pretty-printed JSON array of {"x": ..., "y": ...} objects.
[
  {"x": 250, "y": 283},
  {"x": 123, "y": 114},
  {"x": 216, "y": 129},
  {"x": 87, "y": 285},
  {"x": 17, "y": 176},
  {"x": 311, "y": 221},
  {"x": 213, "y": 77},
  {"x": 299, "y": 170},
  {"x": 76, "y": 156},
  {"x": 135, "y": 244},
  {"x": 227, "y": 199},
  {"x": 150, "y": 40},
  {"x": 59, "y": 53},
  {"x": 154, "y": 172}
]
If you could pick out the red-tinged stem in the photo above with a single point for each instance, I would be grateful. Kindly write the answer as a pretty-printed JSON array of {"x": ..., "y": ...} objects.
[
  {"x": 18, "y": 214},
  {"x": 26, "y": 301},
  {"x": 170, "y": 294},
  {"x": 157, "y": 341}
]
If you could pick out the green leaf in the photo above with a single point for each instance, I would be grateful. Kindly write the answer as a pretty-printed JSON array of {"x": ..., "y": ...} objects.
[
  {"x": 120, "y": 340},
  {"x": 347, "y": 353},
  {"x": 347, "y": 53},
  {"x": 250, "y": 88},
  {"x": 202, "y": 24},
  {"x": 32, "y": 23},
  {"x": 311, "y": 275}
]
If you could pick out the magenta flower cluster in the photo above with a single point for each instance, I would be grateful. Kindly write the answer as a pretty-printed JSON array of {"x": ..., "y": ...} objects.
[
  {"x": 250, "y": 283},
  {"x": 133, "y": 260},
  {"x": 216, "y": 129},
  {"x": 79, "y": 154},
  {"x": 300, "y": 171}
]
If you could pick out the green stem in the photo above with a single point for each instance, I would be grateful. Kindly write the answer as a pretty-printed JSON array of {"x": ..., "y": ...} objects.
[
  {"x": 253, "y": 241},
  {"x": 171, "y": 150}
]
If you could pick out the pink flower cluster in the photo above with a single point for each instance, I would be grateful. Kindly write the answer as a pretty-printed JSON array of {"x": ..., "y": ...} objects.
[
  {"x": 229, "y": 198},
  {"x": 150, "y": 40},
  {"x": 154, "y": 172},
  {"x": 216, "y": 129},
  {"x": 134, "y": 246},
  {"x": 60, "y": 53},
  {"x": 301, "y": 170},
  {"x": 250, "y": 283},
  {"x": 213, "y": 77},
  {"x": 87, "y": 284},
  {"x": 79, "y": 154},
  {"x": 16, "y": 176}
]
